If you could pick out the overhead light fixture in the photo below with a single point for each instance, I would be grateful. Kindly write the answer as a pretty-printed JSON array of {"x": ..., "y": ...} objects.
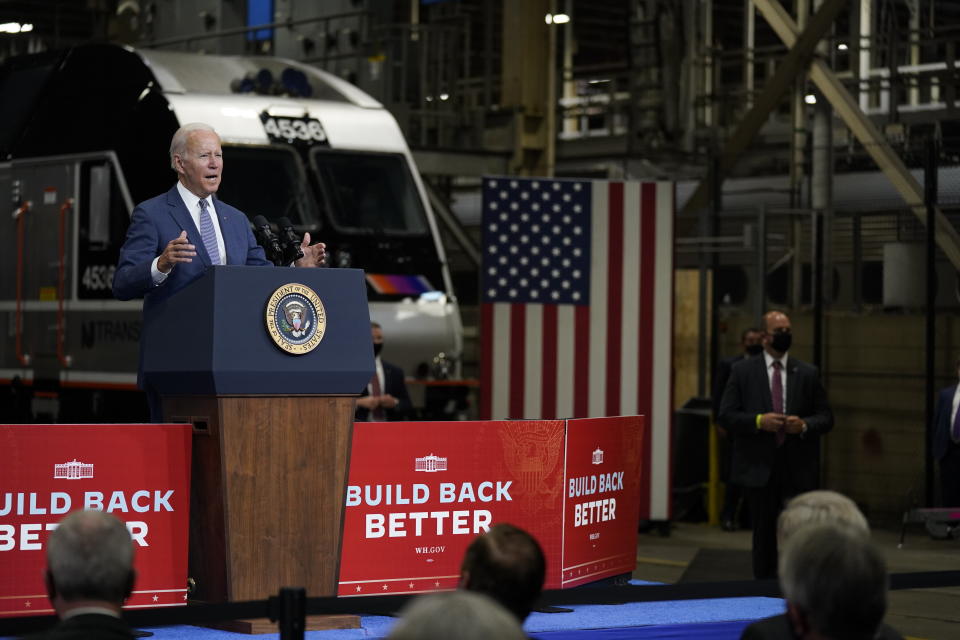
[
  {"x": 444, "y": 96},
  {"x": 842, "y": 46},
  {"x": 15, "y": 27},
  {"x": 598, "y": 81},
  {"x": 810, "y": 98},
  {"x": 556, "y": 18}
]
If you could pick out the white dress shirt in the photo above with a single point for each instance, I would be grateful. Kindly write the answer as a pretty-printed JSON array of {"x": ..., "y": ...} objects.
[
  {"x": 192, "y": 202},
  {"x": 953, "y": 411}
]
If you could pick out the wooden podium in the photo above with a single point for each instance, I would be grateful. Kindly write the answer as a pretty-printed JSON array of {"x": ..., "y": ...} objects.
[{"x": 272, "y": 430}]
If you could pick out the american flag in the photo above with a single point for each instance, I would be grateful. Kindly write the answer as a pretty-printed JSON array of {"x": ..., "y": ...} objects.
[{"x": 577, "y": 307}]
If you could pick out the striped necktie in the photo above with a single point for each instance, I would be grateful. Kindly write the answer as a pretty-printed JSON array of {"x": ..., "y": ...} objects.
[{"x": 208, "y": 234}]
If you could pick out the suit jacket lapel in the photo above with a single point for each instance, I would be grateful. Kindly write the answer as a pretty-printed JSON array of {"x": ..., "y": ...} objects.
[
  {"x": 231, "y": 240},
  {"x": 792, "y": 384},
  {"x": 179, "y": 212},
  {"x": 761, "y": 366}
]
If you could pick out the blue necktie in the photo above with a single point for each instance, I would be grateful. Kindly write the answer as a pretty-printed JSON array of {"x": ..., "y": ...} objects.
[{"x": 208, "y": 234}]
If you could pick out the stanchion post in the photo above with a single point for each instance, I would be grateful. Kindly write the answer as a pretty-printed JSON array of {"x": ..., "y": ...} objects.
[{"x": 289, "y": 610}]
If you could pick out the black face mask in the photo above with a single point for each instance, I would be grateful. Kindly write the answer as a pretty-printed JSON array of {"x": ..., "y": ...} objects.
[
  {"x": 781, "y": 341},
  {"x": 754, "y": 349},
  {"x": 377, "y": 346}
]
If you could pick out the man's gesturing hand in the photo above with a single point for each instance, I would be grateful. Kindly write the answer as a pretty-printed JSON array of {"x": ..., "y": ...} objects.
[
  {"x": 313, "y": 255},
  {"x": 177, "y": 250}
]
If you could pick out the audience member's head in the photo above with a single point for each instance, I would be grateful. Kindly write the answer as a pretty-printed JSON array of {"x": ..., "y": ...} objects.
[
  {"x": 752, "y": 341},
  {"x": 835, "y": 583},
  {"x": 456, "y": 614},
  {"x": 507, "y": 564},
  {"x": 818, "y": 507},
  {"x": 89, "y": 562}
]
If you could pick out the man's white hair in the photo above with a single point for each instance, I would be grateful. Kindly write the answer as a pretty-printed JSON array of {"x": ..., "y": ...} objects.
[
  {"x": 90, "y": 557},
  {"x": 178, "y": 145},
  {"x": 819, "y": 507},
  {"x": 838, "y": 578},
  {"x": 465, "y": 615}
]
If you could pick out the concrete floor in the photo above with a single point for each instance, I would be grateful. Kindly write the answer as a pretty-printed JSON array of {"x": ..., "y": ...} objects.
[{"x": 932, "y": 614}]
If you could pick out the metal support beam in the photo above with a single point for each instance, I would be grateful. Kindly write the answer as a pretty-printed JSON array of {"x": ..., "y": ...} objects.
[
  {"x": 783, "y": 80},
  {"x": 866, "y": 132},
  {"x": 528, "y": 84}
]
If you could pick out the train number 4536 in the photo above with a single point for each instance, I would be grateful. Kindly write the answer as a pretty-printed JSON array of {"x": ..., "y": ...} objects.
[{"x": 98, "y": 277}]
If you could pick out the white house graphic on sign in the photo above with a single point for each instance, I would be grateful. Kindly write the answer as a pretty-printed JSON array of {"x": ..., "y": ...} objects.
[
  {"x": 72, "y": 470},
  {"x": 430, "y": 464}
]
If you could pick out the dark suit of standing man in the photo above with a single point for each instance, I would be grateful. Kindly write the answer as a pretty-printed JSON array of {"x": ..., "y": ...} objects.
[
  {"x": 776, "y": 451},
  {"x": 751, "y": 341},
  {"x": 167, "y": 232},
  {"x": 385, "y": 398},
  {"x": 946, "y": 443}
]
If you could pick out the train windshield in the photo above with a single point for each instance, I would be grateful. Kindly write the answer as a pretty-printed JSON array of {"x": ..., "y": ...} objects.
[
  {"x": 369, "y": 193},
  {"x": 267, "y": 181}
]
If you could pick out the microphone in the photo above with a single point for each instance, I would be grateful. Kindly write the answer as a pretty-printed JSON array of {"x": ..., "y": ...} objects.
[
  {"x": 267, "y": 240},
  {"x": 290, "y": 241}
]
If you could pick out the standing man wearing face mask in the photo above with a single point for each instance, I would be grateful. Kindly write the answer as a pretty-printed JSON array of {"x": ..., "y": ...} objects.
[
  {"x": 946, "y": 442},
  {"x": 385, "y": 398},
  {"x": 777, "y": 409},
  {"x": 751, "y": 340}
]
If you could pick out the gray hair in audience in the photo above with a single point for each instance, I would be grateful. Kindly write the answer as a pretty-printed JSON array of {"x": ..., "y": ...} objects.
[
  {"x": 819, "y": 507},
  {"x": 178, "y": 145},
  {"x": 464, "y": 615},
  {"x": 90, "y": 557},
  {"x": 837, "y": 577}
]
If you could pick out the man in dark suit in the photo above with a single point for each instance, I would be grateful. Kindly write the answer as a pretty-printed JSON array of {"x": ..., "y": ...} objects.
[
  {"x": 777, "y": 409},
  {"x": 751, "y": 342},
  {"x": 835, "y": 583},
  {"x": 175, "y": 237},
  {"x": 89, "y": 575},
  {"x": 946, "y": 443},
  {"x": 385, "y": 397}
]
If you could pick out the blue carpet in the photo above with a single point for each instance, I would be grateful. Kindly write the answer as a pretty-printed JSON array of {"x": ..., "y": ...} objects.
[
  {"x": 690, "y": 619},
  {"x": 721, "y": 618},
  {"x": 698, "y": 631}
]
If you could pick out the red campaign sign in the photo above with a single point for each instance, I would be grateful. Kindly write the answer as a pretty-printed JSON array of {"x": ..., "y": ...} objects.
[
  {"x": 139, "y": 473},
  {"x": 419, "y": 492},
  {"x": 601, "y": 510}
]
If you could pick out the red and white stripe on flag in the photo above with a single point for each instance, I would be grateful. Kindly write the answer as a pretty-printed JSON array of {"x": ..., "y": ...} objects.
[{"x": 610, "y": 356}]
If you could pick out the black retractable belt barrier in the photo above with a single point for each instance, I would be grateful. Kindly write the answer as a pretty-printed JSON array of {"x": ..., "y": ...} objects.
[{"x": 291, "y": 605}]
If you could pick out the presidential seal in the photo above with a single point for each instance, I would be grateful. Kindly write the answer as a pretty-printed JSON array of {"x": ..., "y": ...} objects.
[{"x": 295, "y": 317}]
